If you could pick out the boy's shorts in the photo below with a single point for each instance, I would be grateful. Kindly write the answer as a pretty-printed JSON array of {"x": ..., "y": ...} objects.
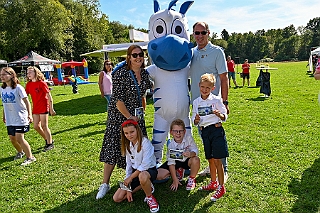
[
  {"x": 153, "y": 176},
  {"x": 232, "y": 75},
  {"x": 214, "y": 142},
  {"x": 179, "y": 164},
  {"x": 246, "y": 75},
  {"x": 12, "y": 130}
]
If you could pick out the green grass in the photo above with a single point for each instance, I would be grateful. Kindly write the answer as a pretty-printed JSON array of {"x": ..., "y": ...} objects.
[{"x": 274, "y": 163}]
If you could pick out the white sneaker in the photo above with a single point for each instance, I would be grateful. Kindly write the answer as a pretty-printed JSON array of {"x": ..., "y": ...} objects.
[
  {"x": 28, "y": 161},
  {"x": 204, "y": 172},
  {"x": 225, "y": 176},
  {"x": 103, "y": 189},
  {"x": 19, "y": 155}
]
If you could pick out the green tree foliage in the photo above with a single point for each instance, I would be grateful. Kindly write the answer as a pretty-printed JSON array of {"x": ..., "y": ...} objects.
[{"x": 64, "y": 29}]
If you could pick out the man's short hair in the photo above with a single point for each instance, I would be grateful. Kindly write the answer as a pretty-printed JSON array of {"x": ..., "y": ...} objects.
[{"x": 201, "y": 22}]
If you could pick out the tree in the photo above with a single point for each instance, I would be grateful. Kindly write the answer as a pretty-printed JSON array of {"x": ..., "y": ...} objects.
[
  {"x": 225, "y": 35},
  {"x": 314, "y": 26}
]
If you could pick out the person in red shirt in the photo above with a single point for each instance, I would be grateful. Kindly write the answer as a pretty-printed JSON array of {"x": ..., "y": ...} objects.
[
  {"x": 231, "y": 73},
  {"x": 42, "y": 104},
  {"x": 246, "y": 72}
]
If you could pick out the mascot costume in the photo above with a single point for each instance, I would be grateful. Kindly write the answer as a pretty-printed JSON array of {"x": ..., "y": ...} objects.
[{"x": 170, "y": 50}]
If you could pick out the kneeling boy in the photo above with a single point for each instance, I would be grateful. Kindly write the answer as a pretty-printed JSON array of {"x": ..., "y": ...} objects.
[{"x": 182, "y": 154}]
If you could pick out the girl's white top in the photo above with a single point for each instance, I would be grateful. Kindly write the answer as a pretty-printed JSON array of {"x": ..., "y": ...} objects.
[{"x": 142, "y": 160}]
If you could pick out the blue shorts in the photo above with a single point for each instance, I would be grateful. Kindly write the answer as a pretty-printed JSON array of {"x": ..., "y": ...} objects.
[
  {"x": 179, "y": 164},
  {"x": 214, "y": 142},
  {"x": 232, "y": 75},
  {"x": 12, "y": 130},
  {"x": 153, "y": 176}
]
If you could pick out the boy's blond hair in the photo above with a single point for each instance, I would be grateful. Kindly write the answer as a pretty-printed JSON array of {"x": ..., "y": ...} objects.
[
  {"x": 208, "y": 78},
  {"x": 178, "y": 122}
]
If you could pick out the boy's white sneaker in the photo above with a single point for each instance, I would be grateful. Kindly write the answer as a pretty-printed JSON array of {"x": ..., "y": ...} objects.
[{"x": 103, "y": 189}]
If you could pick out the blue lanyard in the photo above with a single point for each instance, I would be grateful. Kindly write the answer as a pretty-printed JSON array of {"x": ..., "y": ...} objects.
[{"x": 138, "y": 89}]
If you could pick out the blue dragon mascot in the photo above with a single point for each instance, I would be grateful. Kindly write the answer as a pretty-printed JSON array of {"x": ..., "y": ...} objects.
[{"x": 171, "y": 52}]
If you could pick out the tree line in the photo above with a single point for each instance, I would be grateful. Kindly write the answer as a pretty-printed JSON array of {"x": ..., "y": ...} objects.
[
  {"x": 64, "y": 29},
  {"x": 285, "y": 44}
]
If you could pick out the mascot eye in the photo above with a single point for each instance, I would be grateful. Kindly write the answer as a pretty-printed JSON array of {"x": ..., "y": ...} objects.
[
  {"x": 177, "y": 28},
  {"x": 159, "y": 28}
]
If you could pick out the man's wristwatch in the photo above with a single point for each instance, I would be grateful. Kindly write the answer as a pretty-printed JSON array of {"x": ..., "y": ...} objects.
[{"x": 225, "y": 102}]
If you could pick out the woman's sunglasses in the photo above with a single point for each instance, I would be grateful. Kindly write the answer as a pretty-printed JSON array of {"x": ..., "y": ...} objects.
[
  {"x": 135, "y": 55},
  {"x": 202, "y": 32}
]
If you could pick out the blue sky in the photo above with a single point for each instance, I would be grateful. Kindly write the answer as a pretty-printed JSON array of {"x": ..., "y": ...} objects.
[{"x": 234, "y": 15}]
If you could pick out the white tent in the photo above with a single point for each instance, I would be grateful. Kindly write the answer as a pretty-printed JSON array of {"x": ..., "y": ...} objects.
[
  {"x": 312, "y": 53},
  {"x": 114, "y": 50}
]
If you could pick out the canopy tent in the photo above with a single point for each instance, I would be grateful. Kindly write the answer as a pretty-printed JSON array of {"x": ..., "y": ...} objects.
[
  {"x": 32, "y": 59},
  {"x": 3, "y": 62},
  {"x": 114, "y": 50},
  {"x": 313, "y": 53}
]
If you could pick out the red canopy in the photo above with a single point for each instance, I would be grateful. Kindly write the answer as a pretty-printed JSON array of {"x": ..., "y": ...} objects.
[{"x": 71, "y": 64}]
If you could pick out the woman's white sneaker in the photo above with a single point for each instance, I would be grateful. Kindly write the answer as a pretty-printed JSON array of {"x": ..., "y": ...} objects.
[{"x": 103, "y": 189}]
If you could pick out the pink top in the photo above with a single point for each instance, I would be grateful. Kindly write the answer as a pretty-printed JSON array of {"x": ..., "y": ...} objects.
[{"x": 107, "y": 84}]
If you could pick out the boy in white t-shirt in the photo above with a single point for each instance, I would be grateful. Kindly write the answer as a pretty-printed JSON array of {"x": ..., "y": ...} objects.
[
  {"x": 181, "y": 154},
  {"x": 208, "y": 113}
]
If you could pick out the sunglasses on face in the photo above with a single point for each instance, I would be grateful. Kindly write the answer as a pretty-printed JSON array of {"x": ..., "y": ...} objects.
[
  {"x": 135, "y": 55},
  {"x": 108, "y": 64},
  {"x": 202, "y": 32}
]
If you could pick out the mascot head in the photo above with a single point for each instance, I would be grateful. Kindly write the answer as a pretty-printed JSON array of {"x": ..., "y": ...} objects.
[{"x": 169, "y": 45}]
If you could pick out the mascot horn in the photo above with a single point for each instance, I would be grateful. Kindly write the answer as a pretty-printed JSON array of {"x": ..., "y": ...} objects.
[{"x": 170, "y": 50}]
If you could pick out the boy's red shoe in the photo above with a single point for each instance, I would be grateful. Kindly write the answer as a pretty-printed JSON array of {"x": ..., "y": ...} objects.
[
  {"x": 180, "y": 173},
  {"x": 213, "y": 185},
  {"x": 219, "y": 193},
  {"x": 191, "y": 183},
  {"x": 153, "y": 204}
]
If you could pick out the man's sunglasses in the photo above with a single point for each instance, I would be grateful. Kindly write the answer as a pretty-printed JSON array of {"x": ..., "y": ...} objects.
[
  {"x": 135, "y": 55},
  {"x": 202, "y": 32}
]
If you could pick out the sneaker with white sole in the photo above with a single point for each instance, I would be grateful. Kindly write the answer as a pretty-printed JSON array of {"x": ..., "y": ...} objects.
[
  {"x": 153, "y": 204},
  {"x": 204, "y": 172},
  {"x": 213, "y": 185},
  {"x": 180, "y": 173},
  {"x": 191, "y": 183},
  {"x": 19, "y": 155},
  {"x": 219, "y": 193},
  {"x": 103, "y": 189},
  {"x": 28, "y": 161}
]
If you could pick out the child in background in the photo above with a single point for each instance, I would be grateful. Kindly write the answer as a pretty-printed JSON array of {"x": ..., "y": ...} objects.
[
  {"x": 16, "y": 113},
  {"x": 208, "y": 113},
  {"x": 176, "y": 163},
  {"x": 141, "y": 165},
  {"x": 42, "y": 104},
  {"x": 246, "y": 72}
]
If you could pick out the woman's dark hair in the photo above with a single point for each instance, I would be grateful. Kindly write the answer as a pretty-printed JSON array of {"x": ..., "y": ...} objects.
[
  {"x": 104, "y": 65},
  {"x": 129, "y": 51}
]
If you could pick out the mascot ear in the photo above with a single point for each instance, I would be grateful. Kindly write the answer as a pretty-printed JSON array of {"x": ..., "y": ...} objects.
[
  {"x": 172, "y": 3},
  {"x": 185, "y": 7},
  {"x": 156, "y": 6}
]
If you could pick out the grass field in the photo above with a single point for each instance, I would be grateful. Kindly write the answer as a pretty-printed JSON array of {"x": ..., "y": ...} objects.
[{"x": 274, "y": 163}]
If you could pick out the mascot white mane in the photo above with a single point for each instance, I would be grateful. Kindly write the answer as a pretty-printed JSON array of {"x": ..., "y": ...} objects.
[{"x": 170, "y": 50}]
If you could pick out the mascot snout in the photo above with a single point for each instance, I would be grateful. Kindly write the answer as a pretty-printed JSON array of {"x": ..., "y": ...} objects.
[{"x": 170, "y": 52}]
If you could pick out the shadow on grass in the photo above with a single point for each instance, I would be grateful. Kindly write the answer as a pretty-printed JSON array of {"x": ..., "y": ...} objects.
[
  {"x": 307, "y": 190},
  {"x": 83, "y": 105},
  {"x": 7, "y": 159},
  {"x": 260, "y": 98},
  {"x": 169, "y": 201},
  {"x": 82, "y": 126}
]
